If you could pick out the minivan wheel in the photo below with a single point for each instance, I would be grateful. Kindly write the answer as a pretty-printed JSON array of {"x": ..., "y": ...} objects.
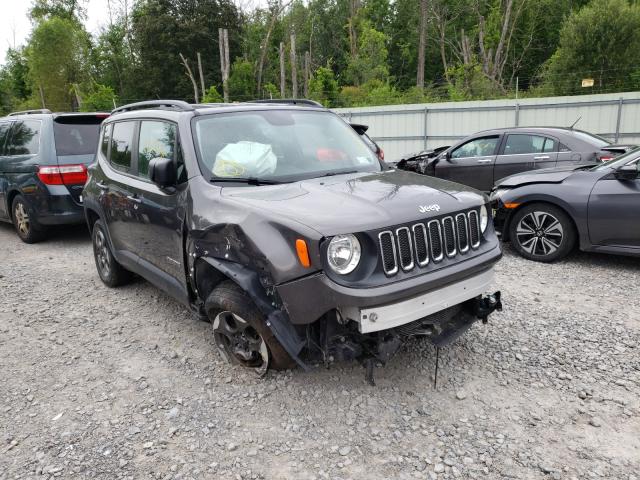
[
  {"x": 24, "y": 221},
  {"x": 542, "y": 232},
  {"x": 111, "y": 272},
  {"x": 240, "y": 332}
]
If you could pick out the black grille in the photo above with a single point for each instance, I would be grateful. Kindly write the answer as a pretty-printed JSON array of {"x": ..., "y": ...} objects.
[
  {"x": 388, "y": 252},
  {"x": 449, "y": 237},
  {"x": 463, "y": 232},
  {"x": 405, "y": 249},
  {"x": 421, "y": 243},
  {"x": 474, "y": 229}
]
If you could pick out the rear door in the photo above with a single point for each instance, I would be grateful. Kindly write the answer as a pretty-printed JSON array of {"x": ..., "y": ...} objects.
[
  {"x": 76, "y": 142},
  {"x": 524, "y": 151},
  {"x": 4, "y": 133},
  {"x": 614, "y": 212},
  {"x": 471, "y": 163}
]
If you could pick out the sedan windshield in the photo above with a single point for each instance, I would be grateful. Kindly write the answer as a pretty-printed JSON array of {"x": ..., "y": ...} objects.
[
  {"x": 279, "y": 146},
  {"x": 619, "y": 161}
]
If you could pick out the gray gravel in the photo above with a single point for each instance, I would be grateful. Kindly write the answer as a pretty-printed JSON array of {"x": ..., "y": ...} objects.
[{"x": 102, "y": 384}]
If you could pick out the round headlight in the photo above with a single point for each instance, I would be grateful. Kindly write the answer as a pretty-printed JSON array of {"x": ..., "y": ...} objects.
[
  {"x": 343, "y": 253},
  {"x": 484, "y": 218}
]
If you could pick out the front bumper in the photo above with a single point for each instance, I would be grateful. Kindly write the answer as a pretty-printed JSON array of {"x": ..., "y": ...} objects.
[{"x": 384, "y": 317}]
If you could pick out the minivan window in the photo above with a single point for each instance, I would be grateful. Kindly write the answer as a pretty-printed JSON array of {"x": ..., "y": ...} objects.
[
  {"x": 121, "y": 142},
  {"x": 25, "y": 138},
  {"x": 157, "y": 139},
  {"x": 106, "y": 138},
  {"x": 76, "y": 135},
  {"x": 4, "y": 130}
]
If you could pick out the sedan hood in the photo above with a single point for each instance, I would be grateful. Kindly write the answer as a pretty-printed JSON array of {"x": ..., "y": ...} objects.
[
  {"x": 544, "y": 175},
  {"x": 357, "y": 202}
]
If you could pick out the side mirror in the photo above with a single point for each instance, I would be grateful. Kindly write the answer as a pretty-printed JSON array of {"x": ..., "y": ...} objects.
[
  {"x": 162, "y": 172},
  {"x": 628, "y": 172}
]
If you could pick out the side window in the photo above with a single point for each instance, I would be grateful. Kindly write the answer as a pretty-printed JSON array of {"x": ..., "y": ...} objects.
[
  {"x": 550, "y": 145},
  {"x": 520, "y": 144},
  {"x": 157, "y": 139},
  {"x": 121, "y": 143},
  {"x": 478, "y": 147},
  {"x": 564, "y": 148},
  {"x": 4, "y": 131},
  {"x": 25, "y": 138},
  {"x": 106, "y": 138},
  {"x": 182, "y": 170}
]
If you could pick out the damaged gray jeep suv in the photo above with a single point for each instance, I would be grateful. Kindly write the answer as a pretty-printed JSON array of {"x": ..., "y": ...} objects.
[{"x": 278, "y": 224}]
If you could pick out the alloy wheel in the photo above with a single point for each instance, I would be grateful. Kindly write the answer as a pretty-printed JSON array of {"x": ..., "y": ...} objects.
[
  {"x": 539, "y": 233},
  {"x": 22, "y": 219},
  {"x": 238, "y": 339},
  {"x": 102, "y": 253}
]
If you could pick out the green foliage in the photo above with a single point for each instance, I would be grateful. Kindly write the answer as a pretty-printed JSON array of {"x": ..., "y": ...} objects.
[
  {"x": 242, "y": 81},
  {"x": 468, "y": 82},
  {"x": 270, "y": 91},
  {"x": 370, "y": 63},
  {"x": 212, "y": 96},
  {"x": 601, "y": 41},
  {"x": 323, "y": 87},
  {"x": 101, "y": 98}
]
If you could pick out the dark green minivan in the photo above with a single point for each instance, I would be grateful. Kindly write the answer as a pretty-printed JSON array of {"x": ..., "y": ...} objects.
[{"x": 43, "y": 168}]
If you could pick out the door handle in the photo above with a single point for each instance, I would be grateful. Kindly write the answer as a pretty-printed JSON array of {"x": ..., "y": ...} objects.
[
  {"x": 134, "y": 198},
  {"x": 102, "y": 186},
  {"x": 542, "y": 157},
  {"x": 485, "y": 160}
]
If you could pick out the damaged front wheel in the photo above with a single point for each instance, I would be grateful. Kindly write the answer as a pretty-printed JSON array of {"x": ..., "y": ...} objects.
[{"x": 240, "y": 332}]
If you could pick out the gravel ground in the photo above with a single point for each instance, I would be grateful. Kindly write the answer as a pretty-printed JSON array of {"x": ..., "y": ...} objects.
[{"x": 101, "y": 384}]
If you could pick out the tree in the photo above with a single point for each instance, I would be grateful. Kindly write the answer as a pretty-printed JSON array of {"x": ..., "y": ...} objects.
[
  {"x": 601, "y": 41},
  {"x": 323, "y": 87},
  {"x": 242, "y": 83},
  {"x": 212, "y": 96},
  {"x": 422, "y": 43},
  {"x": 370, "y": 61},
  {"x": 101, "y": 98}
]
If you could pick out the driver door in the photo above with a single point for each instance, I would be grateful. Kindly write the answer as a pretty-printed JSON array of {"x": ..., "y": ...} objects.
[
  {"x": 471, "y": 163},
  {"x": 614, "y": 212}
]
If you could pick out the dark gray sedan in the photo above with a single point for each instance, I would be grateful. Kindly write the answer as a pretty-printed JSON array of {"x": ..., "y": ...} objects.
[
  {"x": 546, "y": 213},
  {"x": 482, "y": 159}
]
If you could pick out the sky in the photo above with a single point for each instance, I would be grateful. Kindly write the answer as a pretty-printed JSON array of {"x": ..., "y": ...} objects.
[{"x": 15, "y": 25}]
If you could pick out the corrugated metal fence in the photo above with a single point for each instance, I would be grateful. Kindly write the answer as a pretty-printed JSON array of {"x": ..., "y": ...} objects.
[{"x": 402, "y": 129}]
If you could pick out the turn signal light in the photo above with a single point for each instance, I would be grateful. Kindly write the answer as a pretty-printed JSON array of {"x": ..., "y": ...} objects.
[
  {"x": 303, "y": 253},
  {"x": 63, "y": 174},
  {"x": 511, "y": 205}
]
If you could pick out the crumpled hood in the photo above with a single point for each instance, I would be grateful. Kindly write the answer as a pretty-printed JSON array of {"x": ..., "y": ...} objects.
[
  {"x": 358, "y": 202},
  {"x": 544, "y": 175}
]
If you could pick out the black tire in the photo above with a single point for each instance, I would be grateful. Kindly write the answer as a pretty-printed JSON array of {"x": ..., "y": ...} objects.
[
  {"x": 228, "y": 298},
  {"x": 542, "y": 232},
  {"x": 24, "y": 221},
  {"x": 110, "y": 271}
]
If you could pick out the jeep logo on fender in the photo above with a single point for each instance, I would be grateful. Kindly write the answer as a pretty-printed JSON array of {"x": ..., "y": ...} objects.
[{"x": 429, "y": 208}]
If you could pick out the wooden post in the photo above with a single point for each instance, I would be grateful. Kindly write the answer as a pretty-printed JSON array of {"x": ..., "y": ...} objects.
[
  {"x": 282, "y": 72},
  {"x": 202, "y": 87},
  {"x": 294, "y": 72},
  {"x": 307, "y": 66},
  {"x": 42, "y": 96},
  {"x": 223, "y": 38}
]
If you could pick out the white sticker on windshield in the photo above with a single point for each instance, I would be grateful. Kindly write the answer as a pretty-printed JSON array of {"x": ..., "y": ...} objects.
[{"x": 363, "y": 160}]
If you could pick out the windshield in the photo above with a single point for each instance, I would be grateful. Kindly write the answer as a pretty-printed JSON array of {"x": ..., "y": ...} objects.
[
  {"x": 619, "y": 161},
  {"x": 279, "y": 146},
  {"x": 594, "y": 140}
]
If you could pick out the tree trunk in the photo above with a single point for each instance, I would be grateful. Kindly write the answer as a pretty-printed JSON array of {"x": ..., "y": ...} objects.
[
  {"x": 223, "y": 40},
  {"x": 282, "y": 71},
  {"x": 189, "y": 74},
  {"x": 422, "y": 43},
  {"x": 265, "y": 45},
  {"x": 307, "y": 67},
  {"x": 354, "y": 5},
  {"x": 294, "y": 71},
  {"x": 42, "y": 96},
  {"x": 202, "y": 88}
]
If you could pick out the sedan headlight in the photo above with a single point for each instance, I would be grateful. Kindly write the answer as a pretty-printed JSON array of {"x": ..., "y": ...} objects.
[
  {"x": 343, "y": 253},
  {"x": 484, "y": 218}
]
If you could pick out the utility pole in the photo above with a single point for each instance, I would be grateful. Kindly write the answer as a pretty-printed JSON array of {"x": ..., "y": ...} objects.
[{"x": 294, "y": 73}]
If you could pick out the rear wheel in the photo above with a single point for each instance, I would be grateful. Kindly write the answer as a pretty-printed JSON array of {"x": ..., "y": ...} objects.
[
  {"x": 240, "y": 332},
  {"x": 542, "y": 232},
  {"x": 111, "y": 272},
  {"x": 25, "y": 222}
]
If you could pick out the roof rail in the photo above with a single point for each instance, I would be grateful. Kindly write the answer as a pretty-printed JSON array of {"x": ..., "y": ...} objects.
[
  {"x": 30, "y": 112},
  {"x": 289, "y": 101},
  {"x": 167, "y": 104}
]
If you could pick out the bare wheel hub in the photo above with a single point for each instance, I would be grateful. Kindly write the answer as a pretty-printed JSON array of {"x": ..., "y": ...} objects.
[{"x": 240, "y": 342}]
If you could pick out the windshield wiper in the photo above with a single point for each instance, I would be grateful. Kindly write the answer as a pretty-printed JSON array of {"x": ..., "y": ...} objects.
[
  {"x": 247, "y": 180},
  {"x": 331, "y": 174}
]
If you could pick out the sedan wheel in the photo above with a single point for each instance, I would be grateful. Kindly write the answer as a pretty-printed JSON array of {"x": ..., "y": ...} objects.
[{"x": 542, "y": 232}]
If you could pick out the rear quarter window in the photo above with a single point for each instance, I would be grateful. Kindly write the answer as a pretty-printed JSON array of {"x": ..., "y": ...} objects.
[
  {"x": 121, "y": 144},
  {"x": 4, "y": 133},
  {"x": 76, "y": 135},
  {"x": 24, "y": 138}
]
